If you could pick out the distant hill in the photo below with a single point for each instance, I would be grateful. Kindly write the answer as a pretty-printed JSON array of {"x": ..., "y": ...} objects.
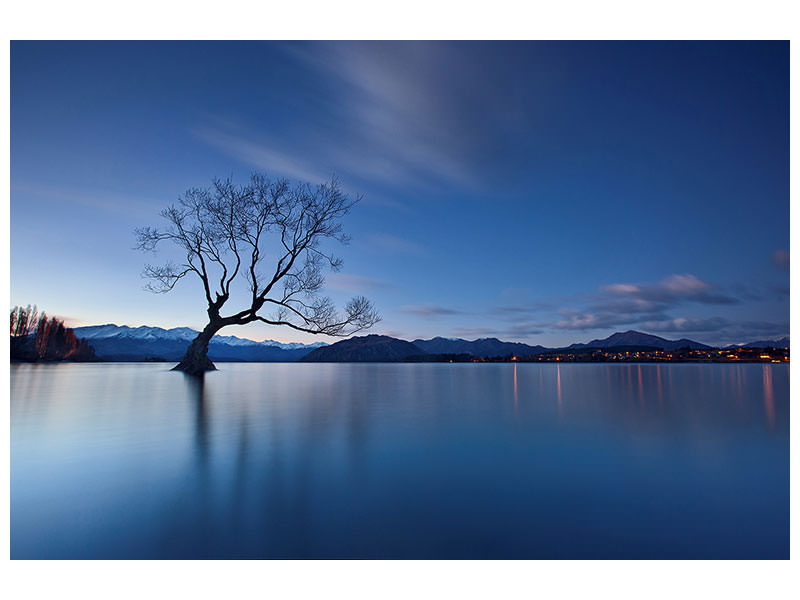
[
  {"x": 485, "y": 347},
  {"x": 368, "y": 348},
  {"x": 123, "y": 343},
  {"x": 381, "y": 348},
  {"x": 781, "y": 343},
  {"x": 114, "y": 342},
  {"x": 637, "y": 338}
]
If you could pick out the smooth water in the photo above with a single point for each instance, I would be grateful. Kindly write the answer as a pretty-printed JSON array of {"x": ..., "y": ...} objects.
[{"x": 400, "y": 461}]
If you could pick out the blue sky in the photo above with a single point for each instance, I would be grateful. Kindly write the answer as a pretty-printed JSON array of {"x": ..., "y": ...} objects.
[{"x": 534, "y": 191}]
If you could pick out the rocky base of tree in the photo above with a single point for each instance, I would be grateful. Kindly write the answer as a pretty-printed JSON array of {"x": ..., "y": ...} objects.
[
  {"x": 196, "y": 361},
  {"x": 195, "y": 367}
]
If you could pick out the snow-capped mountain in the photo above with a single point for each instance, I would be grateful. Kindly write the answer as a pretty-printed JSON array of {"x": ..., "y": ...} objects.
[
  {"x": 120, "y": 342},
  {"x": 140, "y": 333},
  {"x": 176, "y": 333}
]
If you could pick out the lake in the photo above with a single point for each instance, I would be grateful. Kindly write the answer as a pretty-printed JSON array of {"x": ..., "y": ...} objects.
[{"x": 430, "y": 461}]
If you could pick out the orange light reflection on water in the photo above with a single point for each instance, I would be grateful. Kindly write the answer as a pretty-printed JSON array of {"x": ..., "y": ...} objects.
[
  {"x": 516, "y": 391},
  {"x": 641, "y": 387},
  {"x": 769, "y": 397},
  {"x": 658, "y": 387},
  {"x": 739, "y": 389},
  {"x": 630, "y": 384},
  {"x": 558, "y": 387}
]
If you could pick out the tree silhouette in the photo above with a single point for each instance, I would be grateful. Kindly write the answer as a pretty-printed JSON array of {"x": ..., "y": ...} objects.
[
  {"x": 22, "y": 324},
  {"x": 34, "y": 337},
  {"x": 225, "y": 231}
]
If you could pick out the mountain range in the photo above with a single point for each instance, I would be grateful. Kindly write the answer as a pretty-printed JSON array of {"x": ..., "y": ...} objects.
[
  {"x": 481, "y": 347},
  {"x": 637, "y": 338},
  {"x": 123, "y": 343},
  {"x": 120, "y": 342},
  {"x": 382, "y": 348},
  {"x": 367, "y": 348}
]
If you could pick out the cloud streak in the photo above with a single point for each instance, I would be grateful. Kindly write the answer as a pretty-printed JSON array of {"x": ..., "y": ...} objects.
[
  {"x": 395, "y": 96},
  {"x": 393, "y": 244},
  {"x": 649, "y": 307},
  {"x": 403, "y": 115},
  {"x": 721, "y": 329},
  {"x": 353, "y": 284},
  {"x": 108, "y": 202},
  {"x": 261, "y": 155},
  {"x": 577, "y": 320},
  {"x": 429, "y": 311},
  {"x": 672, "y": 290}
]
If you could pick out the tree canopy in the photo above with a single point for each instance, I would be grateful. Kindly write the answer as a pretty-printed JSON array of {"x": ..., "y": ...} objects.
[{"x": 230, "y": 231}]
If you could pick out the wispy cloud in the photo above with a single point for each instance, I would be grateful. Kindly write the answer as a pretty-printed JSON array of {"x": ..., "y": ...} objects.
[
  {"x": 393, "y": 244},
  {"x": 429, "y": 311},
  {"x": 525, "y": 329},
  {"x": 719, "y": 329},
  {"x": 621, "y": 304},
  {"x": 670, "y": 291},
  {"x": 394, "y": 96},
  {"x": 402, "y": 115},
  {"x": 262, "y": 155},
  {"x": 473, "y": 332},
  {"x": 578, "y": 320},
  {"x": 515, "y": 304},
  {"x": 643, "y": 304},
  {"x": 354, "y": 284},
  {"x": 110, "y": 202},
  {"x": 688, "y": 324},
  {"x": 521, "y": 310},
  {"x": 646, "y": 306},
  {"x": 715, "y": 329}
]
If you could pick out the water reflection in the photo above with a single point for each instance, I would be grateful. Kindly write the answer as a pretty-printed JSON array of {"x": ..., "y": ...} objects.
[
  {"x": 628, "y": 369},
  {"x": 195, "y": 393},
  {"x": 659, "y": 388},
  {"x": 641, "y": 387},
  {"x": 558, "y": 387},
  {"x": 401, "y": 461},
  {"x": 516, "y": 392},
  {"x": 769, "y": 396}
]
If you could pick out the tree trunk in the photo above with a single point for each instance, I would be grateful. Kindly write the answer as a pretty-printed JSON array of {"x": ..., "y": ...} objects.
[{"x": 196, "y": 361}]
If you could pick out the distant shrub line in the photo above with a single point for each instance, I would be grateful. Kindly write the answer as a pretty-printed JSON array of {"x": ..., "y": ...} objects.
[{"x": 37, "y": 338}]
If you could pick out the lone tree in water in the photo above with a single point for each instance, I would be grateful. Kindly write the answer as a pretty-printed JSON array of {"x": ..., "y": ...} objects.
[{"x": 225, "y": 230}]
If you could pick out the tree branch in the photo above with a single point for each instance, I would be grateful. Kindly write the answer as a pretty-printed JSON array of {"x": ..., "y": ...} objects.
[{"x": 218, "y": 226}]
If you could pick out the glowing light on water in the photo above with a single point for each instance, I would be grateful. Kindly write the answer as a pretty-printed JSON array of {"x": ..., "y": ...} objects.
[
  {"x": 516, "y": 391},
  {"x": 558, "y": 387},
  {"x": 659, "y": 389},
  {"x": 769, "y": 397},
  {"x": 641, "y": 387}
]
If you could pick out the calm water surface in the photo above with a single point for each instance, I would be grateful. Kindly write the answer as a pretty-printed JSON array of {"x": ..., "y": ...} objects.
[{"x": 400, "y": 461}]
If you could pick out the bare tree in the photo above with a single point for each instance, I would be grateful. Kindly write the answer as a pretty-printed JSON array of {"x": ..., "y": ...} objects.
[
  {"x": 225, "y": 231},
  {"x": 23, "y": 323}
]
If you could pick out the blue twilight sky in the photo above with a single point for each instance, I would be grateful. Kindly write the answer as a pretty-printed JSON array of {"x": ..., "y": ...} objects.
[{"x": 540, "y": 192}]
